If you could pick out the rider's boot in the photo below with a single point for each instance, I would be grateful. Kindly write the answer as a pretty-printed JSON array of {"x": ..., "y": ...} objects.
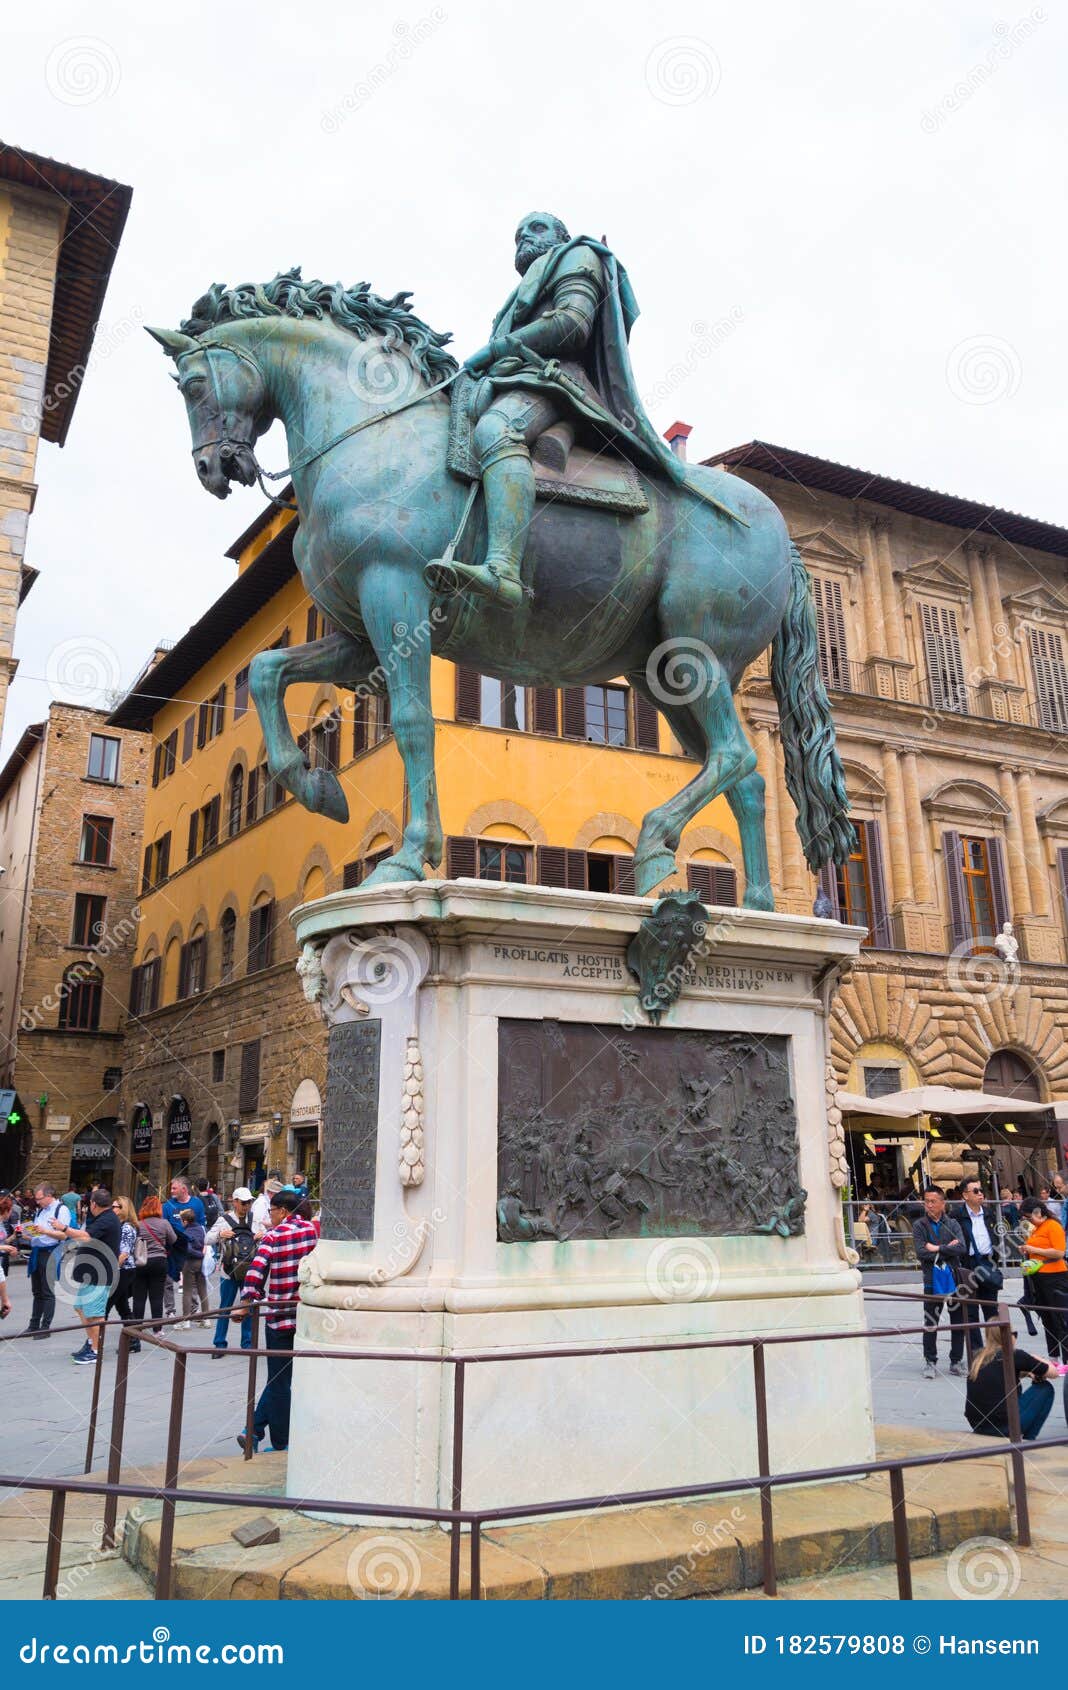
[{"x": 508, "y": 487}]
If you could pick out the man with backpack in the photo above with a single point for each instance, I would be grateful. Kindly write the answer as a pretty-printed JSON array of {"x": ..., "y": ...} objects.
[
  {"x": 212, "y": 1207},
  {"x": 233, "y": 1239}
]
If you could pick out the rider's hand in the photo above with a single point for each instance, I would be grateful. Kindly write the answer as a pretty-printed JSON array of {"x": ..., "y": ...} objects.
[{"x": 479, "y": 361}]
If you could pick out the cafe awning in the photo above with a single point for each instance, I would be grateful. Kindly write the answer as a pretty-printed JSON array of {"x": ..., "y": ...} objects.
[{"x": 937, "y": 1100}]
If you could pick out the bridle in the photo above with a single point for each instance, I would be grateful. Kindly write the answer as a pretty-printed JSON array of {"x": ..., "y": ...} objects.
[{"x": 307, "y": 458}]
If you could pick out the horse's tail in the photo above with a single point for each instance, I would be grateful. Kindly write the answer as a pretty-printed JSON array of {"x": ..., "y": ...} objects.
[{"x": 815, "y": 779}]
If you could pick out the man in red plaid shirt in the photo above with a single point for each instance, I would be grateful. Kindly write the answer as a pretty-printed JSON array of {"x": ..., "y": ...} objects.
[{"x": 287, "y": 1240}]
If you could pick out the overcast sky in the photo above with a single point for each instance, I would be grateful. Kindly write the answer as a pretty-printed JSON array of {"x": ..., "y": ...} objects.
[{"x": 844, "y": 224}]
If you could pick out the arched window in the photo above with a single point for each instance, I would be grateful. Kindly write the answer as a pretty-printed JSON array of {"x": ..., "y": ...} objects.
[
  {"x": 79, "y": 1009},
  {"x": 236, "y": 799},
  {"x": 228, "y": 932}
]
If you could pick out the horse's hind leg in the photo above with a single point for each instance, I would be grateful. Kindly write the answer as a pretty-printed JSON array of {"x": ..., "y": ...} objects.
[
  {"x": 338, "y": 658},
  {"x": 729, "y": 763}
]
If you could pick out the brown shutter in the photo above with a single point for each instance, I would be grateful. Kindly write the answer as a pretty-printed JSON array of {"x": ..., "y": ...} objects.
[
  {"x": 183, "y": 972},
  {"x": 351, "y": 875},
  {"x": 135, "y": 988},
  {"x": 157, "y": 760},
  {"x": 646, "y": 723},
  {"x": 248, "y": 1089},
  {"x": 552, "y": 865},
  {"x": 831, "y": 631},
  {"x": 146, "y": 870},
  {"x": 623, "y": 876},
  {"x": 945, "y": 671},
  {"x": 827, "y": 880},
  {"x": 960, "y": 925},
  {"x": 461, "y": 858},
  {"x": 724, "y": 886},
  {"x": 468, "y": 694},
  {"x": 1062, "y": 874},
  {"x": 999, "y": 893},
  {"x": 360, "y": 714},
  {"x": 165, "y": 856},
  {"x": 576, "y": 870},
  {"x": 1050, "y": 678},
  {"x": 544, "y": 712},
  {"x": 312, "y": 631},
  {"x": 252, "y": 795},
  {"x": 699, "y": 880},
  {"x": 574, "y": 712},
  {"x": 194, "y": 825},
  {"x": 188, "y": 729}
]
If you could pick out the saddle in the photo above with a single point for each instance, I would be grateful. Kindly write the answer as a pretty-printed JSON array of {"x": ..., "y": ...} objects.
[{"x": 564, "y": 469}]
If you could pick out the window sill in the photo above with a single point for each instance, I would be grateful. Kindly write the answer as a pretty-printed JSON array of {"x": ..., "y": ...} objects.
[
  {"x": 80, "y": 862},
  {"x": 100, "y": 780}
]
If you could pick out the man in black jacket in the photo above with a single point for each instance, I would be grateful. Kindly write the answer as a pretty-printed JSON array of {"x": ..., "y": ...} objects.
[
  {"x": 939, "y": 1242},
  {"x": 981, "y": 1277}
]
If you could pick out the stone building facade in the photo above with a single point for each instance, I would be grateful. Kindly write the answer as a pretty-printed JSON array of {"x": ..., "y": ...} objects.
[
  {"x": 59, "y": 231},
  {"x": 944, "y": 638},
  {"x": 72, "y": 798}
]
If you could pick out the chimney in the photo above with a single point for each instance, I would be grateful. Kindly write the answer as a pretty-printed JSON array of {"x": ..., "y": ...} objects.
[{"x": 677, "y": 436}]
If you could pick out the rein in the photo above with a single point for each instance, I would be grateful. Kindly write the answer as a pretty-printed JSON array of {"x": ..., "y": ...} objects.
[{"x": 265, "y": 475}]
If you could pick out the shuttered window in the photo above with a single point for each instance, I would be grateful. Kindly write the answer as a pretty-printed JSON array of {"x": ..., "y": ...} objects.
[
  {"x": 497, "y": 860},
  {"x": 831, "y": 632},
  {"x": 227, "y": 941},
  {"x": 976, "y": 888},
  {"x": 144, "y": 988},
  {"x": 646, "y": 724},
  {"x": 188, "y": 730},
  {"x": 945, "y": 670},
  {"x": 461, "y": 858},
  {"x": 1050, "y": 679},
  {"x": 468, "y": 695},
  {"x": 236, "y": 802},
  {"x": 360, "y": 716},
  {"x": 260, "y": 935},
  {"x": 557, "y": 866},
  {"x": 240, "y": 693},
  {"x": 248, "y": 1090},
  {"x": 716, "y": 883},
  {"x": 544, "y": 710}
]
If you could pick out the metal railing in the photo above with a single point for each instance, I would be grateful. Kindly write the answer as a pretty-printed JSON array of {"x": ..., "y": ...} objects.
[
  {"x": 456, "y": 1517},
  {"x": 889, "y": 1244}
]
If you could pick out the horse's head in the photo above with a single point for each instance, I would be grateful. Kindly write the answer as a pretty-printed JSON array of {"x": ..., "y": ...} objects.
[{"x": 226, "y": 398}]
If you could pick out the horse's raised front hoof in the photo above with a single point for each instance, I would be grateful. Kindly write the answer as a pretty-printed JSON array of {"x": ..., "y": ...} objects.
[
  {"x": 650, "y": 871},
  {"x": 758, "y": 898},
  {"x": 325, "y": 796},
  {"x": 395, "y": 869}
]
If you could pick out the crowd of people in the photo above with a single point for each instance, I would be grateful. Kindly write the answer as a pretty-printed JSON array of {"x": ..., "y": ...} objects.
[
  {"x": 110, "y": 1256},
  {"x": 956, "y": 1248}
]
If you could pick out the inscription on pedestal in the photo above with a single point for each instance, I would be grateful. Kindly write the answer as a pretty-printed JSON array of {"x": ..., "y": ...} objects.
[
  {"x": 350, "y": 1130},
  {"x": 650, "y": 1133}
]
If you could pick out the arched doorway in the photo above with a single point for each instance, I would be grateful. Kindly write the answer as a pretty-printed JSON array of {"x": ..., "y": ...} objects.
[
  {"x": 92, "y": 1156},
  {"x": 1008, "y": 1074}
]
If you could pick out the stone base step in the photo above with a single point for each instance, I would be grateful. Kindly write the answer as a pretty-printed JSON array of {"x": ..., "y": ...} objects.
[{"x": 708, "y": 1548}]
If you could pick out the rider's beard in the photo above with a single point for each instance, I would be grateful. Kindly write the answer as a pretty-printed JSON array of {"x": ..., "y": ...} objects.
[{"x": 527, "y": 251}]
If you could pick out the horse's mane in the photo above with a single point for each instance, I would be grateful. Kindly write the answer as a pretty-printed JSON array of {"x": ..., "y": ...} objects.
[{"x": 356, "y": 309}]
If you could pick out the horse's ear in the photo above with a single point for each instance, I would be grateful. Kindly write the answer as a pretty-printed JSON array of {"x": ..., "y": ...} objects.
[{"x": 173, "y": 343}]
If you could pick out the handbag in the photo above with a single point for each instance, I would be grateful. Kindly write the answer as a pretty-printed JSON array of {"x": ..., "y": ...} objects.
[
  {"x": 943, "y": 1280},
  {"x": 988, "y": 1277},
  {"x": 140, "y": 1252}
]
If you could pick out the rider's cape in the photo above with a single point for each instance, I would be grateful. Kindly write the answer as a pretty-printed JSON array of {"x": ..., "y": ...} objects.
[{"x": 607, "y": 357}]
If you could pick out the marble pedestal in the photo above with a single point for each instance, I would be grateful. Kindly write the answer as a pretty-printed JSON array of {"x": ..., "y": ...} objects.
[{"x": 428, "y": 988}]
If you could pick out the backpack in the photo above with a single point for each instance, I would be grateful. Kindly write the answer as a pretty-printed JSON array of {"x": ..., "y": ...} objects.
[
  {"x": 212, "y": 1208},
  {"x": 238, "y": 1251}
]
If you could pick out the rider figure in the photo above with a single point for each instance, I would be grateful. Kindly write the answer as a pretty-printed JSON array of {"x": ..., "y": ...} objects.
[{"x": 558, "y": 351}]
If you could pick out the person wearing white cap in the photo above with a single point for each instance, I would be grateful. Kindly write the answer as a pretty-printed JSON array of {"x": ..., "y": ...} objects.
[
  {"x": 261, "y": 1208},
  {"x": 234, "y": 1240}
]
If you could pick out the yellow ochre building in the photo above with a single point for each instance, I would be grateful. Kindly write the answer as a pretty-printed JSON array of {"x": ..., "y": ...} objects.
[{"x": 944, "y": 628}]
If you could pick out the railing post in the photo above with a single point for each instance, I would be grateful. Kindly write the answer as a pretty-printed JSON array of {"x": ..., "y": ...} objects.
[
  {"x": 250, "y": 1389},
  {"x": 118, "y": 1427},
  {"x": 901, "y": 1535},
  {"x": 95, "y": 1405},
  {"x": 1012, "y": 1408},
  {"x": 457, "y": 1475},
  {"x": 767, "y": 1522},
  {"x": 55, "y": 1544},
  {"x": 476, "y": 1561},
  {"x": 170, "y": 1477}
]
